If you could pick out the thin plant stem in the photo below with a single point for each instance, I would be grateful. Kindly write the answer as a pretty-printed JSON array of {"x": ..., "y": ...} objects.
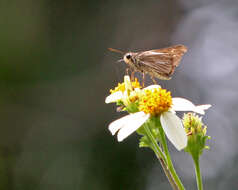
[
  {"x": 198, "y": 173},
  {"x": 169, "y": 161},
  {"x": 154, "y": 143},
  {"x": 160, "y": 155},
  {"x": 168, "y": 174}
]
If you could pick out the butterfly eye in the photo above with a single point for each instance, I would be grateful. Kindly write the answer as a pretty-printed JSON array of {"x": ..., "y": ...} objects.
[{"x": 128, "y": 56}]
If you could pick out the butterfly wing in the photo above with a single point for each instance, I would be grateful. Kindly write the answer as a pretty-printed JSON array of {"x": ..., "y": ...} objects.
[
  {"x": 162, "y": 61},
  {"x": 175, "y": 52}
]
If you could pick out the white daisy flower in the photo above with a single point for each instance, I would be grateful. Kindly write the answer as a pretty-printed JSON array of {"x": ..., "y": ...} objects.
[{"x": 155, "y": 101}]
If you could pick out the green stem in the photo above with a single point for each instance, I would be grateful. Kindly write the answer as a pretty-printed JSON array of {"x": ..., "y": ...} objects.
[
  {"x": 198, "y": 173},
  {"x": 169, "y": 161},
  {"x": 160, "y": 155},
  {"x": 156, "y": 148}
]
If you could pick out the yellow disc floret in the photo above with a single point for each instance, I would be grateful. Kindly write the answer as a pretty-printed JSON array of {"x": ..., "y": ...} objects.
[
  {"x": 136, "y": 84},
  {"x": 119, "y": 87},
  {"x": 122, "y": 87},
  {"x": 155, "y": 101}
]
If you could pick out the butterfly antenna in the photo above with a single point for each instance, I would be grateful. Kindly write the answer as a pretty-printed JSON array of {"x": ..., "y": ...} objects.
[{"x": 116, "y": 50}]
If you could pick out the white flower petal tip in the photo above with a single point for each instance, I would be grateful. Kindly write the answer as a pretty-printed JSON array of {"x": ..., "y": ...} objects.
[
  {"x": 174, "y": 130},
  {"x": 114, "y": 97},
  {"x": 201, "y": 108},
  {"x": 151, "y": 87},
  {"x": 127, "y": 82},
  {"x": 132, "y": 123},
  {"x": 182, "y": 104},
  {"x": 127, "y": 78},
  {"x": 118, "y": 124}
]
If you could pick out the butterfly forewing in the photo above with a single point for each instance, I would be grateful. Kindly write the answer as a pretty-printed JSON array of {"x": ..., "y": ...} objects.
[{"x": 161, "y": 61}]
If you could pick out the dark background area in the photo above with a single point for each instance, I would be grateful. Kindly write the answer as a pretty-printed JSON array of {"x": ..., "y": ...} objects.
[{"x": 55, "y": 72}]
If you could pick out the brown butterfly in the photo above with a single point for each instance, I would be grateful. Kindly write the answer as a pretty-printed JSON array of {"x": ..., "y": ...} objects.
[{"x": 158, "y": 63}]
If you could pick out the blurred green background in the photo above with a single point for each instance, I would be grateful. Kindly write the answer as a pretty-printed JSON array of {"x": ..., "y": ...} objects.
[{"x": 55, "y": 72}]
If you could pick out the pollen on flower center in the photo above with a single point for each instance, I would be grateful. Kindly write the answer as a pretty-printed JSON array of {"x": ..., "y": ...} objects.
[
  {"x": 122, "y": 87},
  {"x": 155, "y": 101}
]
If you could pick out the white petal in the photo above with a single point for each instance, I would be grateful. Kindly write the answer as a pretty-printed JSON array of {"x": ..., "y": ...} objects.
[
  {"x": 127, "y": 82},
  {"x": 203, "y": 107},
  {"x": 133, "y": 123},
  {"x": 182, "y": 104},
  {"x": 152, "y": 87},
  {"x": 174, "y": 130},
  {"x": 137, "y": 90},
  {"x": 127, "y": 78},
  {"x": 114, "y": 97},
  {"x": 118, "y": 124}
]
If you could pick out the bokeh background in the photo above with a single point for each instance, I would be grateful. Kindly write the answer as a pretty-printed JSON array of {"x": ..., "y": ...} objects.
[{"x": 55, "y": 72}]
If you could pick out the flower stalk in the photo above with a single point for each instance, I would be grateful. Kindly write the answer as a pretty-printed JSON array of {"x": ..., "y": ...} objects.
[
  {"x": 169, "y": 161},
  {"x": 160, "y": 155},
  {"x": 198, "y": 173}
]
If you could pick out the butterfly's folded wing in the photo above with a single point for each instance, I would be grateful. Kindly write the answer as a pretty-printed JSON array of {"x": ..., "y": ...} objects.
[
  {"x": 162, "y": 61},
  {"x": 177, "y": 49}
]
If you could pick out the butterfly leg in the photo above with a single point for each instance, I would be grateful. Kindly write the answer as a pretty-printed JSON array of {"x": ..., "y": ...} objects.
[
  {"x": 153, "y": 79},
  {"x": 132, "y": 75},
  {"x": 143, "y": 79},
  {"x": 127, "y": 71}
]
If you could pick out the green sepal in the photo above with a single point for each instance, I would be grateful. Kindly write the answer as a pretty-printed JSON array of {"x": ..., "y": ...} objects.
[
  {"x": 132, "y": 107},
  {"x": 144, "y": 142},
  {"x": 141, "y": 130},
  {"x": 154, "y": 125},
  {"x": 119, "y": 103},
  {"x": 196, "y": 144}
]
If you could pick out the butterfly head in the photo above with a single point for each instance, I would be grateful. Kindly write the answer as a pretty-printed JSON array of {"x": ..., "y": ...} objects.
[{"x": 128, "y": 58}]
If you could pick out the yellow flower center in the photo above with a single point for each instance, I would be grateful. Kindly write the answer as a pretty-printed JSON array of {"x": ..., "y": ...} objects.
[
  {"x": 155, "y": 101},
  {"x": 121, "y": 86}
]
